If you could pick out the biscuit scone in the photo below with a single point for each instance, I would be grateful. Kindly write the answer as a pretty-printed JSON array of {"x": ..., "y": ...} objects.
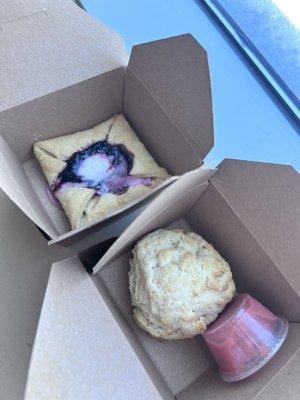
[
  {"x": 95, "y": 172},
  {"x": 178, "y": 284}
]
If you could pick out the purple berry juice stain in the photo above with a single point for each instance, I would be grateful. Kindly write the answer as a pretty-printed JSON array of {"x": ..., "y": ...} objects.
[{"x": 103, "y": 167}]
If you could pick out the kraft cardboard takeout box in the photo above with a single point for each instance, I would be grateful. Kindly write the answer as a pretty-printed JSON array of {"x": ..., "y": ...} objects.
[
  {"x": 250, "y": 212},
  {"x": 62, "y": 71}
]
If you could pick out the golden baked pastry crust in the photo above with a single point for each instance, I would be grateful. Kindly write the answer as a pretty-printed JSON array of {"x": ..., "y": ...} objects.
[
  {"x": 82, "y": 204},
  {"x": 178, "y": 283}
]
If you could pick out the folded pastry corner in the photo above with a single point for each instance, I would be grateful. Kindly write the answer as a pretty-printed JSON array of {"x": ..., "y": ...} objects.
[{"x": 95, "y": 172}]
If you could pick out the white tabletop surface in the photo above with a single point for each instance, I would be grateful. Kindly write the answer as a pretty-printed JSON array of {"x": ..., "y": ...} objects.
[{"x": 248, "y": 124}]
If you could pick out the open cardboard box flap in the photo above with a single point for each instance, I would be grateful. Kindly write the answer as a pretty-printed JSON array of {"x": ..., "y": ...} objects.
[
  {"x": 80, "y": 351},
  {"x": 175, "y": 73},
  {"x": 47, "y": 45},
  {"x": 166, "y": 99},
  {"x": 231, "y": 208}
]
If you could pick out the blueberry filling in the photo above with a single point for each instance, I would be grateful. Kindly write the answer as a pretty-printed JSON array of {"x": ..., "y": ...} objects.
[{"x": 103, "y": 167}]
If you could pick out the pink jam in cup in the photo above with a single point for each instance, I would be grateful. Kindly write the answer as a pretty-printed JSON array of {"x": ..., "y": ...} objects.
[{"x": 244, "y": 338}]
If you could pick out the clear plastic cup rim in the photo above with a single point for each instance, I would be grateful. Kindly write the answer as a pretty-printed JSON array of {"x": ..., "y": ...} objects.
[{"x": 275, "y": 346}]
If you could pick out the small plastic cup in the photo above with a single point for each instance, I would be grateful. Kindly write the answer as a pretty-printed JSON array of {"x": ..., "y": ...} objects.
[{"x": 244, "y": 338}]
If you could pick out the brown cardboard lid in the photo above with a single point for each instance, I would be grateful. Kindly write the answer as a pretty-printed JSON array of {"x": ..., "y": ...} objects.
[
  {"x": 48, "y": 45},
  {"x": 79, "y": 348},
  {"x": 266, "y": 198},
  {"x": 175, "y": 73}
]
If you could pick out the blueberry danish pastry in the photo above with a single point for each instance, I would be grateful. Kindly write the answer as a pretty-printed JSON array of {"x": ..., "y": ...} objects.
[{"x": 96, "y": 172}]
